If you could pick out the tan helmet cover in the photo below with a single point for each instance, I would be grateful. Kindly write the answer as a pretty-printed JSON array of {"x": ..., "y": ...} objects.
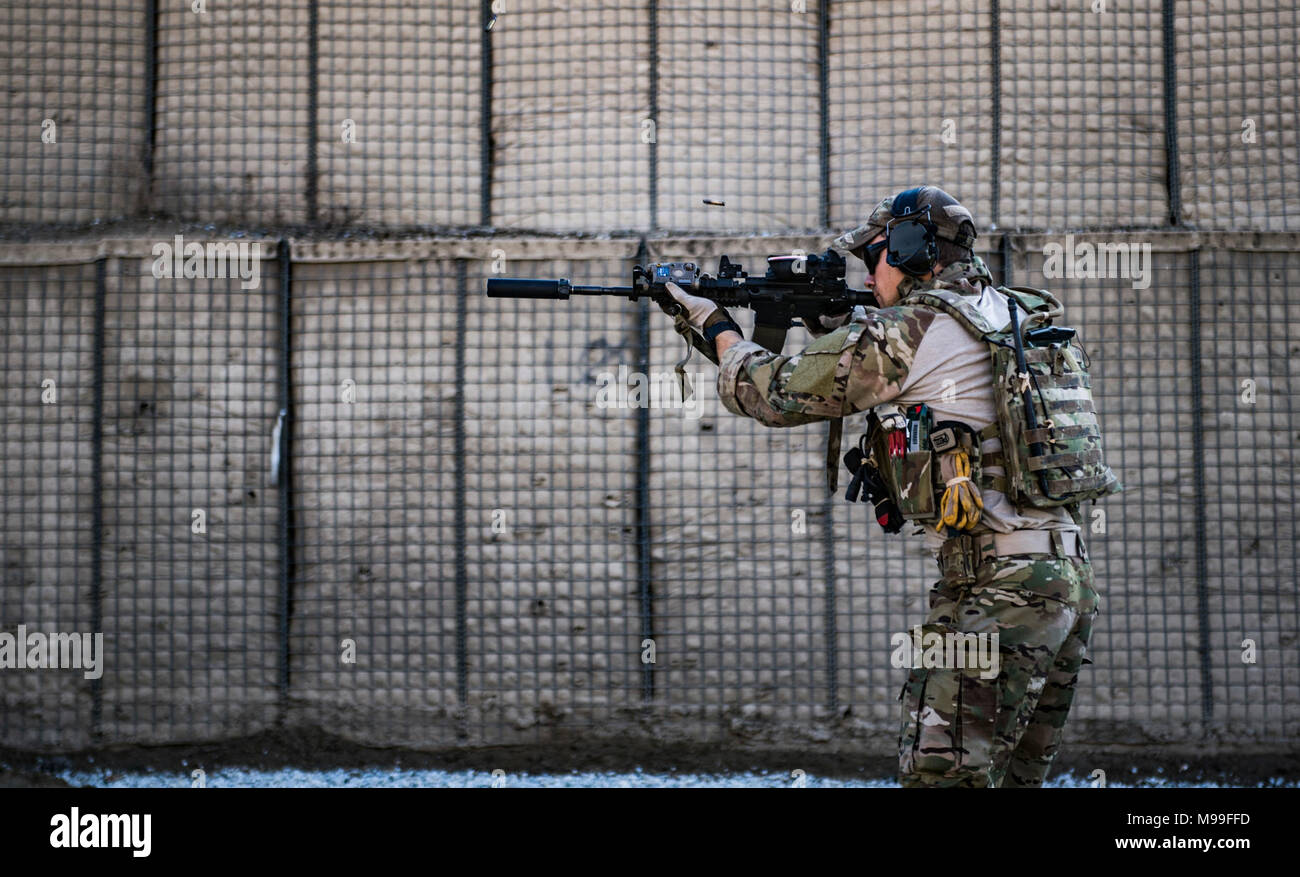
[{"x": 953, "y": 222}]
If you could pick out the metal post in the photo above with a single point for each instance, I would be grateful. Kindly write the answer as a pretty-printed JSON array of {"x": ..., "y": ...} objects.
[
  {"x": 459, "y": 488},
  {"x": 644, "y": 570},
  {"x": 313, "y": 109},
  {"x": 831, "y": 634},
  {"x": 485, "y": 118},
  {"x": 1172, "y": 181},
  {"x": 284, "y": 598},
  {"x": 828, "y": 536},
  {"x": 97, "y": 487},
  {"x": 151, "y": 90},
  {"x": 824, "y": 101},
  {"x": 995, "y": 171},
  {"x": 1200, "y": 503},
  {"x": 654, "y": 116}
]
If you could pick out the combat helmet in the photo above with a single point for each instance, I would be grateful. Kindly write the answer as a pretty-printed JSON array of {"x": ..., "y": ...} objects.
[{"x": 913, "y": 221}]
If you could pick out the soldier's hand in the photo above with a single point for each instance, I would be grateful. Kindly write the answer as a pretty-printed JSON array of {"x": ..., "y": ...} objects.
[
  {"x": 698, "y": 310},
  {"x": 831, "y": 322}
]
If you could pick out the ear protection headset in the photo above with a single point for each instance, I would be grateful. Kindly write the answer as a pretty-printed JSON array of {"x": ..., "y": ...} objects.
[{"x": 911, "y": 239}]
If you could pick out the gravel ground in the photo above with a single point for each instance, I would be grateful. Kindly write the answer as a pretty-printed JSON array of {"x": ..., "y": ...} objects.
[{"x": 405, "y": 778}]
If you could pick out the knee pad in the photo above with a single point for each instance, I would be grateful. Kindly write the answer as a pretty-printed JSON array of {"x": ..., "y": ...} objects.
[
  {"x": 959, "y": 729},
  {"x": 947, "y": 727}
]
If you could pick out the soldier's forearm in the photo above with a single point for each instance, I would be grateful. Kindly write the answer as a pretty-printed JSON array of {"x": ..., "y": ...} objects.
[
  {"x": 726, "y": 340},
  {"x": 745, "y": 386}
]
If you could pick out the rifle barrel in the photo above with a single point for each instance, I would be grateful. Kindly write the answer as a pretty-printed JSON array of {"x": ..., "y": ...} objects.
[
  {"x": 727, "y": 293},
  {"x": 603, "y": 290},
  {"x": 518, "y": 287}
]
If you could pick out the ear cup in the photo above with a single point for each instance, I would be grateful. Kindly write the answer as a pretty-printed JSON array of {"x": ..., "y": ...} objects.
[
  {"x": 911, "y": 247},
  {"x": 911, "y": 243}
]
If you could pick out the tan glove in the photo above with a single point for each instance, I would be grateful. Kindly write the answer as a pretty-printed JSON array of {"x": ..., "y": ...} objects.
[
  {"x": 698, "y": 310},
  {"x": 961, "y": 505}
]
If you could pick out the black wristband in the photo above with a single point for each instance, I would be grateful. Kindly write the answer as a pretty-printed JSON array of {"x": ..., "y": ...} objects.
[{"x": 711, "y": 333}]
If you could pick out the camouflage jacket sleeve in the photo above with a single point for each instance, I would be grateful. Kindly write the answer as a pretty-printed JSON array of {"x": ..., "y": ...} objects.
[{"x": 856, "y": 367}]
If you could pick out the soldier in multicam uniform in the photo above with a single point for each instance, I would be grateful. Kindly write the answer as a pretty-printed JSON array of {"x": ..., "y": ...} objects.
[{"x": 1020, "y": 572}]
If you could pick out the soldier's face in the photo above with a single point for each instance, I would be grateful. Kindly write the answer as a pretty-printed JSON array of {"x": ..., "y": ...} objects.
[{"x": 883, "y": 277}]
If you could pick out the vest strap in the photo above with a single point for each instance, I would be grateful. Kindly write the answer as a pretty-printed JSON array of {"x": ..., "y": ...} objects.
[{"x": 1057, "y": 461}]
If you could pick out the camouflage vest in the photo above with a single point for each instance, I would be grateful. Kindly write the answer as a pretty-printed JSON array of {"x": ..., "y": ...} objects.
[{"x": 1059, "y": 463}]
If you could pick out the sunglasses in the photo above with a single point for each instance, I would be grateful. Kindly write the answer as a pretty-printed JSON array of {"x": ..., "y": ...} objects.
[{"x": 871, "y": 255}]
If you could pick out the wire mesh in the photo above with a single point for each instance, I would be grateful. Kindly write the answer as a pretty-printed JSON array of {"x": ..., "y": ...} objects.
[
  {"x": 903, "y": 111},
  {"x": 399, "y": 114},
  {"x": 1249, "y": 345},
  {"x": 632, "y": 117},
  {"x": 190, "y": 548},
  {"x": 232, "y": 135},
  {"x": 374, "y": 586},
  {"x": 1083, "y": 140},
  {"x": 47, "y": 314},
  {"x": 1237, "y": 108},
  {"x": 484, "y": 540},
  {"x": 551, "y": 505},
  {"x": 76, "y": 85}
]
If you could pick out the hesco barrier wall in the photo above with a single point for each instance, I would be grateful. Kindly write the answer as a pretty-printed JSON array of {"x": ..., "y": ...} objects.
[
  {"x": 594, "y": 116},
  {"x": 497, "y": 545},
  {"x": 358, "y": 496}
]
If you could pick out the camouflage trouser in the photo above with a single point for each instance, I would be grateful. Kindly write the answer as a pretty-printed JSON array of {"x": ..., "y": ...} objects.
[{"x": 962, "y": 730}]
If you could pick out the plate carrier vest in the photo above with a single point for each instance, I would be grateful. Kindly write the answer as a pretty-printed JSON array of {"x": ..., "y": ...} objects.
[{"x": 1057, "y": 462}]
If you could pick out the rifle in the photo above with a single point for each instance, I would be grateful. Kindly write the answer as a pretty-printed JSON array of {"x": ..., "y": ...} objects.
[{"x": 795, "y": 287}]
